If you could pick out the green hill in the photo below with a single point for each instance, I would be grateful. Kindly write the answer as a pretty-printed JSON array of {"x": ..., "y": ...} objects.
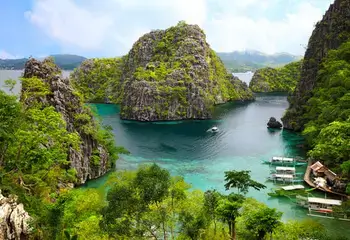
[
  {"x": 64, "y": 61},
  {"x": 242, "y": 61}
]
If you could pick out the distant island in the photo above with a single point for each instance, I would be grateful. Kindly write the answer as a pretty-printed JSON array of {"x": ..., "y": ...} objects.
[
  {"x": 244, "y": 61},
  {"x": 63, "y": 61}
]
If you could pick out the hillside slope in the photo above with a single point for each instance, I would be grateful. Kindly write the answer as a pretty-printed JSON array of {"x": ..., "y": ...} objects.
[{"x": 282, "y": 79}]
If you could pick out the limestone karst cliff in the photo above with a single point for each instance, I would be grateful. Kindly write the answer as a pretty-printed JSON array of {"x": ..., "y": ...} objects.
[
  {"x": 329, "y": 33},
  {"x": 92, "y": 159},
  {"x": 173, "y": 74},
  {"x": 170, "y": 74}
]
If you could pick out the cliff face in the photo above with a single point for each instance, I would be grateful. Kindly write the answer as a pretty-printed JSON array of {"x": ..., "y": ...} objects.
[
  {"x": 173, "y": 75},
  {"x": 92, "y": 160},
  {"x": 14, "y": 220},
  {"x": 329, "y": 33},
  {"x": 282, "y": 79}
]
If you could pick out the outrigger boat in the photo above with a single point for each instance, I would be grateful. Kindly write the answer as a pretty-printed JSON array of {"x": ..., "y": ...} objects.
[
  {"x": 288, "y": 191},
  {"x": 286, "y": 170},
  {"x": 284, "y": 161},
  {"x": 321, "y": 207},
  {"x": 285, "y": 178}
]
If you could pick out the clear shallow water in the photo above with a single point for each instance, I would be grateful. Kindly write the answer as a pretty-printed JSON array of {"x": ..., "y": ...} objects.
[{"x": 187, "y": 149}]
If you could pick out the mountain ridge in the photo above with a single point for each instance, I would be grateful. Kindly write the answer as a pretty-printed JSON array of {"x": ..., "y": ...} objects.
[
  {"x": 64, "y": 61},
  {"x": 251, "y": 60}
]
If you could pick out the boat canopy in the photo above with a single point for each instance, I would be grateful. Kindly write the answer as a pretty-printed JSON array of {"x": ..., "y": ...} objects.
[
  {"x": 282, "y": 159},
  {"x": 285, "y": 169},
  {"x": 324, "y": 201},
  {"x": 285, "y": 176},
  {"x": 293, "y": 187}
]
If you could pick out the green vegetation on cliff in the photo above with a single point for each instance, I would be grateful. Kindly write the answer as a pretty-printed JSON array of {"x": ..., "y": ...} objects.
[
  {"x": 329, "y": 33},
  {"x": 327, "y": 112},
  {"x": 173, "y": 75},
  {"x": 41, "y": 149},
  {"x": 282, "y": 79},
  {"x": 167, "y": 75},
  {"x": 99, "y": 80}
]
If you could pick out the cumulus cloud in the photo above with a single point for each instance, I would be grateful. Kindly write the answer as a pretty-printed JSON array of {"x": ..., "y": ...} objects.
[
  {"x": 228, "y": 32},
  {"x": 110, "y": 27}
]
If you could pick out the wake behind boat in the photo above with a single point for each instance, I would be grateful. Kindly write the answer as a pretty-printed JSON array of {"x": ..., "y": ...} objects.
[{"x": 213, "y": 129}]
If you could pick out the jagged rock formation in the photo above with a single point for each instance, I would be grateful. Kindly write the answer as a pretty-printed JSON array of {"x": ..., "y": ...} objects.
[
  {"x": 79, "y": 119},
  {"x": 14, "y": 220},
  {"x": 282, "y": 79},
  {"x": 329, "y": 33},
  {"x": 273, "y": 123},
  {"x": 173, "y": 75}
]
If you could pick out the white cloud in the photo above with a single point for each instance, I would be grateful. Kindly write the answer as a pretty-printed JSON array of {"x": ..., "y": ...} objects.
[
  {"x": 110, "y": 27},
  {"x": 228, "y": 32},
  {"x": 6, "y": 55}
]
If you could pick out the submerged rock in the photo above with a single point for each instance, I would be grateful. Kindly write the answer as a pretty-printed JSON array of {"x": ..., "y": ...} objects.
[
  {"x": 79, "y": 119},
  {"x": 174, "y": 75},
  {"x": 14, "y": 220},
  {"x": 273, "y": 123}
]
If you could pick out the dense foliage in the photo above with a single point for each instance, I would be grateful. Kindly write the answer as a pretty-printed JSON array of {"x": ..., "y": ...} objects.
[
  {"x": 150, "y": 204},
  {"x": 328, "y": 111},
  {"x": 36, "y": 142},
  {"x": 99, "y": 80},
  {"x": 282, "y": 79},
  {"x": 329, "y": 34}
]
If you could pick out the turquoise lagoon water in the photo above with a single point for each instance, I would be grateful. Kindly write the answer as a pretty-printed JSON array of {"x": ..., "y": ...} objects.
[{"x": 187, "y": 149}]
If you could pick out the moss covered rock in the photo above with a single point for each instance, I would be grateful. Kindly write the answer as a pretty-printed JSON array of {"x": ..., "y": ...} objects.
[
  {"x": 282, "y": 79},
  {"x": 98, "y": 80},
  {"x": 173, "y": 74},
  {"x": 329, "y": 33},
  {"x": 43, "y": 86}
]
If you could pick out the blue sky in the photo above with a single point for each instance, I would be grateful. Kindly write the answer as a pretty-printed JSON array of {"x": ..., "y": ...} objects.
[{"x": 96, "y": 28}]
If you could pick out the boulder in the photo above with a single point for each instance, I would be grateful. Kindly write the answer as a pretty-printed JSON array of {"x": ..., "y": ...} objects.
[
  {"x": 273, "y": 123},
  {"x": 14, "y": 220}
]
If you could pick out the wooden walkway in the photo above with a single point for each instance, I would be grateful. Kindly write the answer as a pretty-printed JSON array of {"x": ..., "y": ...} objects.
[{"x": 308, "y": 180}]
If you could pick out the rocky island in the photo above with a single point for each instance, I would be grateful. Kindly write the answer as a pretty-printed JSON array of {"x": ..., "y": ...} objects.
[
  {"x": 170, "y": 74},
  {"x": 283, "y": 79}
]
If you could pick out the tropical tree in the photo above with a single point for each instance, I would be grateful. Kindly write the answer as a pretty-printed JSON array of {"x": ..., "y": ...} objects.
[
  {"x": 262, "y": 221},
  {"x": 211, "y": 203},
  {"x": 229, "y": 210},
  {"x": 242, "y": 181}
]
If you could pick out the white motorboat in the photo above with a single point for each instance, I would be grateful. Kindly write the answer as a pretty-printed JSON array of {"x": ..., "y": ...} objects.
[{"x": 214, "y": 129}]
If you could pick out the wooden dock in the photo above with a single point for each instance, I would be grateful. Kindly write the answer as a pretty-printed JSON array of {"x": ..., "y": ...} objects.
[{"x": 308, "y": 180}]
